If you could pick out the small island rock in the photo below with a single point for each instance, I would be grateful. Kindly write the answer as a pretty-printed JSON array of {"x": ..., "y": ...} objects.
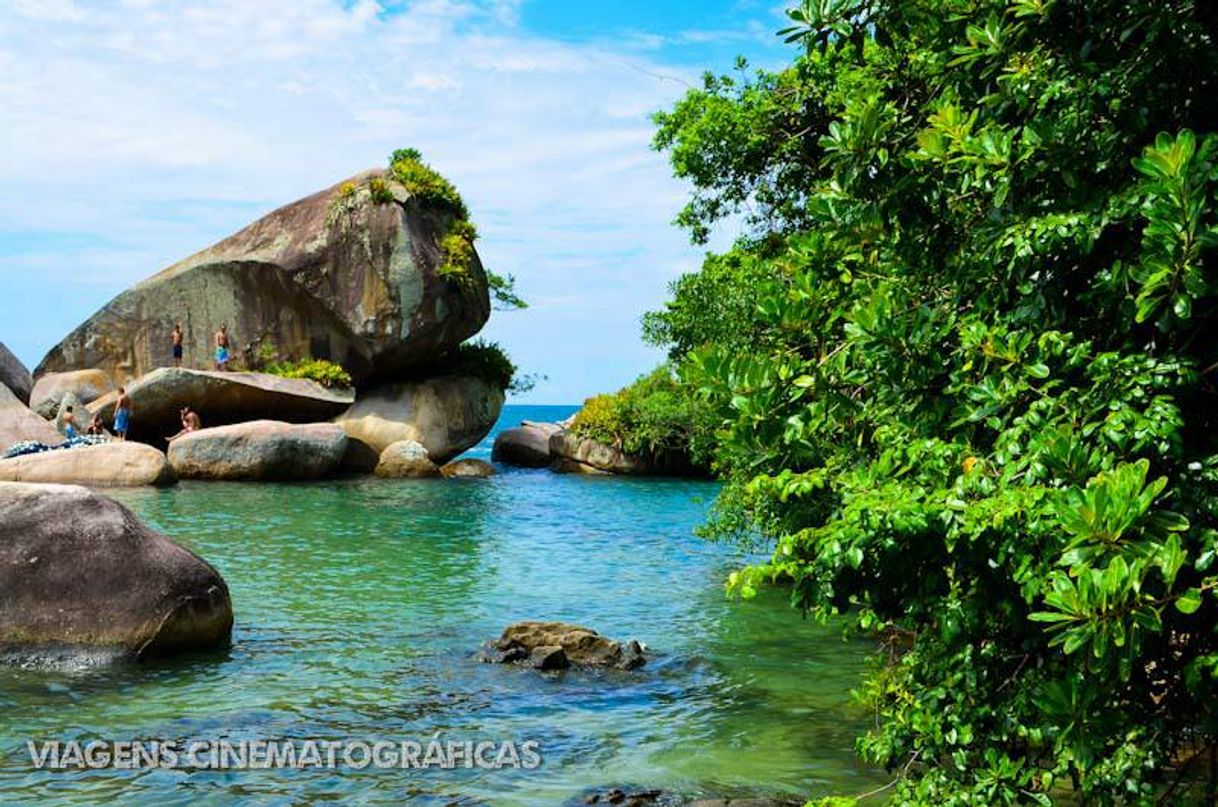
[{"x": 260, "y": 450}]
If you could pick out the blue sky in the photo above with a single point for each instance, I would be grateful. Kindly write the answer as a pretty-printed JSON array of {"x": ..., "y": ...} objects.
[{"x": 136, "y": 132}]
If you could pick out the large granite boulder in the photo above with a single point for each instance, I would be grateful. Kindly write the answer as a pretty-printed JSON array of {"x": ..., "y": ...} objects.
[
  {"x": 85, "y": 385},
  {"x": 557, "y": 645},
  {"x": 14, "y": 375},
  {"x": 406, "y": 460},
  {"x": 260, "y": 450},
  {"x": 527, "y": 445},
  {"x": 78, "y": 569},
  {"x": 107, "y": 465},
  {"x": 221, "y": 399},
  {"x": 446, "y": 415},
  {"x": 571, "y": 453},
  {"x": 18, "y": 424},
  {"x": 338, "y": 275}
]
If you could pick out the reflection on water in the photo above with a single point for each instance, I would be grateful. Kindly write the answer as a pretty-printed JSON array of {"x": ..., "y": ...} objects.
[{"x": 359, "y": 608}]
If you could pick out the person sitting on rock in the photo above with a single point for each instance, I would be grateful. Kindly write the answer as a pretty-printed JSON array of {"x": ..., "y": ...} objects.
[
  {"x": 222, "y": 347},
  {"x": 190, "y": 423},
  {"x": 177, "y": 345},
  {"x": 69, "y": 424},
  {"x": 96, "y": 427},
  {"x": 122, "y": 414}
]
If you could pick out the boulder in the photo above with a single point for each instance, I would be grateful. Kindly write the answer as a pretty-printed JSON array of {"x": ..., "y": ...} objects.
[
  {"x": 527, "y": 445},
  {"x": 359, "y": 459},
  {"x": 220, "y": 399},
  {"x": 19, "y": 424},
  {"x": 108, "y": 465},
  {"x": 529, "y": 643},
  {"x": 260, "y": 450},
  {"x": 78, "y": 569},
  {"x": 406, "y": 460},
  {"x": 468, "y": 469},
  {"x": 571, "y": 453},
  {"x": 446, "y": 415},
  {"x": 338, "y": 275},
  {"x": 86, "y": 385},
  {"x": 14, "y": 375}
]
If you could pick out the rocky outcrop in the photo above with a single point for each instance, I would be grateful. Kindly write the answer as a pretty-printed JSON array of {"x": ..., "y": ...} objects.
[
  {"x": 221, "y": 399},
  {"x": 50, "y": 389},
  {"x": 14, "y": 375},
  {"x": 468, "y": 469},
  {"x": 526, "y": 446},
  {"x": 19, "y": 424},
  {"x": 338, "y": 275},
  {"x": 406, "y": 460},
  {"x": 260, "y": 450},
  {"x": 78, "y": 569},
  {"x": 571, "y": 453},
  {"x": 446, "y": 415},
  {"x": 108, "y": 465},
  {"x": 556, "y": 645}
]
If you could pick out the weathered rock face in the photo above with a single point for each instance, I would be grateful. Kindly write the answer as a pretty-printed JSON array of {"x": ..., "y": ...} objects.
[
  {"x": 79, "y": 569},
  {"x": 446, "y": 415},
  {"x": 108, "y": 465},
  {"x": 50, "y": 389},
  {"x": 406, "y": 460},
  {"x": 14, "y": 375},
  {"x": 260, "y": 450},
  {"x": 556, "y": 645},
  {"x": 571, "y": 453},
  {"x": 220, "y": 399},
  {"x": 336, "y": 275},
  {"x": 18, "y": 423},
  {"x": 527, "y": 445},
  {"x": 468, "y": 469}
]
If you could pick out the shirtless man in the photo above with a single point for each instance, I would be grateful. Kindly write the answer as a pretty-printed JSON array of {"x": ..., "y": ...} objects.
[
  {"x": 222, "y": 348},
  {"x": 190, "y": 423},
  {"x": 177, "y": 345},
  {"x": 122, "y": 414},
  {"x": 69, "y": 424}
]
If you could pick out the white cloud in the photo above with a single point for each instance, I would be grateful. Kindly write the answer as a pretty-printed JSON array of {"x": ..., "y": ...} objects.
[{"x": 131, "y": 122}]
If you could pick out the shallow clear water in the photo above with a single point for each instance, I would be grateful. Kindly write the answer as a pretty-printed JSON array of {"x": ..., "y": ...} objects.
[{"x": 360, "y": 606}]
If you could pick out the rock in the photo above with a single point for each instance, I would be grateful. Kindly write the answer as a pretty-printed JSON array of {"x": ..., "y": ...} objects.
[
  {"x": 79, "y": 569},
  {"x": 468, "y": 469},
  {"x": 627, "y": 797},
  {"x": 14, "y": 375},
  {"x": 336, "y": 275},
  {"x": 359, "y": 459},
  {"x": 571, "y": 453},
  {"x": 406, "y": 460},
  {"x": 527, "y": 445},
  {"x": 85, "y": 385},
  {"x": 259, "y": 450},
  {"x": 108, "y": 465},
  {"x": 548, "y": 658},
  {"x": 19, "y": 424},
  {"x": 221, "y": 399},
  {"x": 446, "y": 415},
  {"x": 748, "y": 802},
  {"x": 581, "y": 646}
]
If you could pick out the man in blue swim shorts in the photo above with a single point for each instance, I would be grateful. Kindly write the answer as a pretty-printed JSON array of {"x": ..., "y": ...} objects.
[
  {"x": 122, "y": 414},
  {"x": 222, "y": 346}
]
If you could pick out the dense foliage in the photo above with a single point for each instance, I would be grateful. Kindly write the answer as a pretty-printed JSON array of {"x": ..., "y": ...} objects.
[
  {"x": 961, "y": 367},
  {"x": 651, "y": 416},
  {"x": 326, "y": 373}
]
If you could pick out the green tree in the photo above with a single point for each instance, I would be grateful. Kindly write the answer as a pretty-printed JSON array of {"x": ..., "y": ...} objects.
[{"x": 961, "y": 368}]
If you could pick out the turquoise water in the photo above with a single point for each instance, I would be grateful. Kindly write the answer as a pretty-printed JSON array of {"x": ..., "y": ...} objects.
[{"x": 360, "y": 606}]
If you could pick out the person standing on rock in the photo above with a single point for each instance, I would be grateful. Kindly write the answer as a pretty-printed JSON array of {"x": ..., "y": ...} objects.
[
  {"x": 177, "y": 345},
  {"x": 122, "y": 414},
  {"x": 222, "y": 346},
  {"x": 69, "y": 424}
]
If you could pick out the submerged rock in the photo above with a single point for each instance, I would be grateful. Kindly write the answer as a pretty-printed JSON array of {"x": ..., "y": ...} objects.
[
  {"x": 406, "y": 459},
  {"x": 446, "y": 415},
  {"x": 260, "y": 450},
  {"x": 571, "y": 453},
  {"x": 527, "y": 445},
  {"x": 85, "y": 387},
  {"x": 108, "y": 465},
  {"x": 534, "y": 643},
  {"x": 221, "y": 399},
  {"x": 14, "y": 375},
  {"x": 338, "y": 275},
  {"x": 468, "y": 469},
  {"x": 19, "y": 424},
  {"x": 78, "y": 569}
]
